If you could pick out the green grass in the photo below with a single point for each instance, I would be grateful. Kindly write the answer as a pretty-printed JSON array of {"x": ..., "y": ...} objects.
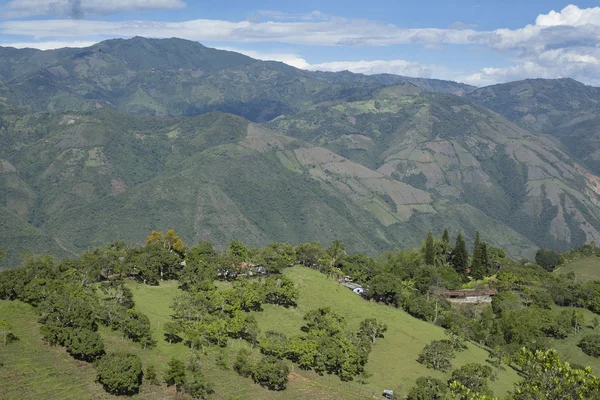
[
  {"x": 392, "y": 360},
  {"x": 586, "y": 269},
  {"x": 33, "y": 370},
  {"x": 567, "y": 348}
]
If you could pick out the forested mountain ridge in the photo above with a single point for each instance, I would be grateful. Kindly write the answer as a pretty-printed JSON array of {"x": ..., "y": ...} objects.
[
  {"x": 456, "y": 150},
  {"x": 563, "y": 108},
  {"x": 130, "y": 135}
]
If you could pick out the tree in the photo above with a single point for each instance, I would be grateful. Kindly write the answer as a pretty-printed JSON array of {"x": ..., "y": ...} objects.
[
  {"x": 242, "y": 364},
  {"x": 446, "y": 236},
  {"x": 238, "y": 250},
  {"x": 271, "y": 373},
  {"x": 280, "y": 291},
  {"x": 428, "y": 388},
  {"x": 429, "y": 250},
  {"x": 311, "y": 255},
  {"x": 474, "y": 377},
  {"x": 595, "y": 322},
  {"x": 459, "y": 257},
  {"x": 547, "y": 259},
  {"x": 480, "y": 263},
  {"x": 197, "y": 386},
  {"x": 120, "y": 373},
  {"x": 150, "y": 375},
  {"x": 276, "y": 257},
  {"x": 6, "y": 329},
  {"x": 85, "y": 345},
  {"x": 221, "y": 360},
  {"x": 169, "y": 241},
  {"x": 372, "y": 329},
  {"x": 336, "y": 251},
  {"x": 176, "y": 374},
  {"x": 437, "y": 355},
  {"x": 274, "y": 344},
  {"x": 547, "y": 378},
  {"x": 590, "y": 345}
]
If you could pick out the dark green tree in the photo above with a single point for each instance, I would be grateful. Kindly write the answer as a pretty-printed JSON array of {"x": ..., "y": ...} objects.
[
  {"x": 150, "y": 375},
  {"x": 459, "y": 257},
  {"x": 446, "y": 236},
  {"x": 175, "y": 374},
  {"x": 238, "y": 250},
  {"x": 274, "y": 344},
  {"x": 547, "y": 259},
  {"x": 437, "y": 355},
  {"x": 480, "y": 263},
  {"x": 243, "y": 364},
  {"x": 120, "y": 373},
  {"x": 590, "y": 345},
  {"x": 85, "y": 345},
  {"x": 428, "y": 388},
  {"x": 271, "y": 373},
  {"x": 197, "y": 386},
  {"x": 429, "y": 250}
]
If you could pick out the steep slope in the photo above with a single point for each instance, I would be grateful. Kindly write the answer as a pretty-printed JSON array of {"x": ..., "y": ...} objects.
[
  {"x": 455, "y": 150},
  {"x": 563, "y": 108},
  {"x": 174, "y": 77},
  {"x": 91, "y": 178}
]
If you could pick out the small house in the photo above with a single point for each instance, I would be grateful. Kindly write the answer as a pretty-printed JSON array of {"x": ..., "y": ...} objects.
[{"x": 469, "y": 295}]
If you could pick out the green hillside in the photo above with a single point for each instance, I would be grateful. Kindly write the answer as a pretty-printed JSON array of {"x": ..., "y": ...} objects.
[
  {"x": 585, "y": 269},
  {"x": 457, "y": 150},
  {"x": 563, "y": 108},
  {"x": 392, "y": 361}
]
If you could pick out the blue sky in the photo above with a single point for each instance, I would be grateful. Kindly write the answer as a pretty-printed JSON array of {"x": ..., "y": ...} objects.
[{"x": 479, "y": 42}]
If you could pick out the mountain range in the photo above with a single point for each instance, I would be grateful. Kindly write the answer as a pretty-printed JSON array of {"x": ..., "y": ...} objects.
[{"x": 111, "y": 141}]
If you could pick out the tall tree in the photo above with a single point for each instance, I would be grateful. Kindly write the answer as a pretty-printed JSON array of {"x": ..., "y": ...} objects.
[
  {"x": 176, "y": 375},
  {"x": 480, "y": 262},
  {"x": 446, "y": 236},
  {"x": 336, "y": 251},
  {"x": 429, "y": 251},
  {"x": 169, "y": 240},
  {"x": 459, "y": 258}
]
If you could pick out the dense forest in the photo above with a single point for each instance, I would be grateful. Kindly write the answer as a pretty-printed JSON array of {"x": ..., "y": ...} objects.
[{"x": 221, "y": 291}]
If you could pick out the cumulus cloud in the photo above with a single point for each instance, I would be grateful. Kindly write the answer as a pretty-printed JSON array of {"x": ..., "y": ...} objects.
[
  {"x": 49, "y": 45},
  {"x": 292, "y": 59},
  {"x": 79, "y": 8},
  {"x": 396, "y": 67},
  {"x": 559, "y": 43}
]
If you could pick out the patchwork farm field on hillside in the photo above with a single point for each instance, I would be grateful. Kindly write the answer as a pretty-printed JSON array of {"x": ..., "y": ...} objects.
[{"x": 34, "y": 370}]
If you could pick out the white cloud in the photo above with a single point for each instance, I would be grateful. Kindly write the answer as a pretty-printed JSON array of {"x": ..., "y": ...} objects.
[
  {"x": 397, "y": 67},
  {"x": 49, "y": 45},
  {"x": 563, "y": 43},
  {"x": 288, "y": 58},
  {"x": 80, "y": 8}
]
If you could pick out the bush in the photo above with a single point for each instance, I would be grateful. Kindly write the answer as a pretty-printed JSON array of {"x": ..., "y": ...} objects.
[
  {"x": 590, "y": 345},
  {"x": 120, "y": 373},
  {"x": 85, "y": 345},
  {"x": 242, "y": 364},
  {"x": 271, "y": 373}
]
